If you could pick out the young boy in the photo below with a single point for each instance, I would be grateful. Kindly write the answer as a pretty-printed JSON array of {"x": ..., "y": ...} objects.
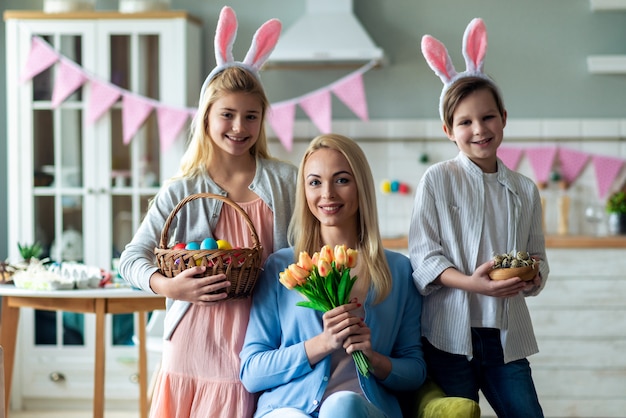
[{"x": 476, "y": 332}]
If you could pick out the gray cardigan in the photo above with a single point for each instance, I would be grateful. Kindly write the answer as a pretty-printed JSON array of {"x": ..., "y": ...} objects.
[{"x": 274, "y": 182}]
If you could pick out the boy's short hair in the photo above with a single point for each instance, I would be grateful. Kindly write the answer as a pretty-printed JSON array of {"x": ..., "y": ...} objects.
[{"x": 462, "y": 88}]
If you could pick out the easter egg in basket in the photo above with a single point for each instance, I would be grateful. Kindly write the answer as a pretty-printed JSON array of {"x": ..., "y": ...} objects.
[{"x": 514, "y": 264}]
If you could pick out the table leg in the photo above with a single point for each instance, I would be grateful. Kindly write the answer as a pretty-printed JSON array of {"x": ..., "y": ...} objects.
[
  {"x": 143, "y": 366},
  {"x": 98, "y": 386},
  {"x": 8, "y": 339}
]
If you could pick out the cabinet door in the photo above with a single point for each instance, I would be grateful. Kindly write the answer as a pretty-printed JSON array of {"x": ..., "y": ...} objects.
[{"x": 78, "y": 189}]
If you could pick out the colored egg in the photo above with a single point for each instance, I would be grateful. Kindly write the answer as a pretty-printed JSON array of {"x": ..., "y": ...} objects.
[
  {"x": 192, "y": 246},
  {"x": 386, "y": 186},
  {"x": 223, "y": 245},
  {"x": 208, "y": 244},
  {"x": 179, "y": 246}
]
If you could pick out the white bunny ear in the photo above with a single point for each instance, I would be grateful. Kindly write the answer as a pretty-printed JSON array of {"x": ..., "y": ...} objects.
[
  {"x": 225, "y": 35},
  {"x": 438, "y": 58},
  {"x": 475, "y": 45},
  {"x": 263, "y": 44}
]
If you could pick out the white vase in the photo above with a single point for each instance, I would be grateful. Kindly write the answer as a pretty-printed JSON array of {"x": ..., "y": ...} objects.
[{"x": 617, "y": 223}]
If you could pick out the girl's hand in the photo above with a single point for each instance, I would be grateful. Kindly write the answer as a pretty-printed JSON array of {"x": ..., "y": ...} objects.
[{"x": 189, "y": 286}]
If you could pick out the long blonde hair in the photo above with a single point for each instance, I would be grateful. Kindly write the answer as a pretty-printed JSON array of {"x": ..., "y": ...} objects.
[
  {"x": 231, "y": 80},
  {"x": 304, "y": 229}
]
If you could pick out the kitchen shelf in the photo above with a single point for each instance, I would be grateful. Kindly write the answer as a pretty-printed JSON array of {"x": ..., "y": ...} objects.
[
  {"x": 606, "y": 64},
  {"x": 606, "y": 5},
  {"x": 552, "y": 241}
]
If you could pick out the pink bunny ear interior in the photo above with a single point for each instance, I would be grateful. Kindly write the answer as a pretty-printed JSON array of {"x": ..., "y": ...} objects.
[
  {"x": 225, "y": 35},
  {"x": 438, "y": 58},
  {"x": 263, "y": 43},
  {"x": 475, "y": 45}
]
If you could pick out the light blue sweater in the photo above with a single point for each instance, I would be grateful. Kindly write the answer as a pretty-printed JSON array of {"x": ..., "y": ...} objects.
[
  {"x": 273, "y": 358},
  {"x": 274, "y": 182}
]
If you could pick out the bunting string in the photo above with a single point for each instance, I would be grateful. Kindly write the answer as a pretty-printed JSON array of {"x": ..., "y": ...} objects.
[
  {"x": 567, "y": 162},
  {"x": 70, "y": 76},
  {"x": 136, "y": 109}
]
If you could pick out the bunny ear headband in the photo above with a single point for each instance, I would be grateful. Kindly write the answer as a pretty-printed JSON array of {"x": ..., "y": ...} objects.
[
  {"x": 474, "y": 51},
  {"x": 263, "y": 44}
]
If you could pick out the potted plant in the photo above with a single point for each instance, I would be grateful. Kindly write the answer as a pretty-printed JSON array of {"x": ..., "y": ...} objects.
[{"x": 616, "y": 208}]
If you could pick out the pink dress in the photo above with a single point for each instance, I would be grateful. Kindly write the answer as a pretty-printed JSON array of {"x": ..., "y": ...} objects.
[{"x": 199, "y": 374}]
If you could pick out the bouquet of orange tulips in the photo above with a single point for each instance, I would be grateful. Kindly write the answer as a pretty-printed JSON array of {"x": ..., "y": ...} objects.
[{"x": 325, "y": 281}]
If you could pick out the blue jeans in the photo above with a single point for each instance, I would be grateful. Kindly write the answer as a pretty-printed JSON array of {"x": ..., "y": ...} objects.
[
  {"x": 342, "y": 404},
  {"x": 508, "y": 388}
]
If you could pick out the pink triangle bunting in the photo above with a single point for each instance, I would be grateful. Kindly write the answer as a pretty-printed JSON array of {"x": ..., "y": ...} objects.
[
  {"x": 317, "y": 106},
  {"x": 40, "y": 58},
  {"x": 510, "y": 156},
  {"x": 68, "y": 79},
  {"x": 572, "y": 163},
  {"x": 101, "y": 98},
  {"x": 352, "y": 93},
  {"x": 541, "y": 160},
  {"x": 281, "y": 118},
  {"x": 607, "y": 170},
  {"x": 135, "y": 111},
  {"x": 170, "y": 122}
]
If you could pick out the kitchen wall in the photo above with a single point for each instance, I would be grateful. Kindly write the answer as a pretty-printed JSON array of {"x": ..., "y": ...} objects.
[
  {"x": 537, "y": 53},
  {"x": 395, "y": 149}
]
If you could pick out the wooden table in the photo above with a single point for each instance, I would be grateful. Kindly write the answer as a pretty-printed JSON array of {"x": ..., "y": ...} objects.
[{"x": 96, "y": 301}]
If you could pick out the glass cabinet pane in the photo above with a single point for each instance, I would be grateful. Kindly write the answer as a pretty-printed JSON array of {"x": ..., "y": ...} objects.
[{"x": 43, "y": 148}]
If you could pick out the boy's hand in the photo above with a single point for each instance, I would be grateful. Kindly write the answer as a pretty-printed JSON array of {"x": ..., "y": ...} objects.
[{"x": 482, "y": 283}]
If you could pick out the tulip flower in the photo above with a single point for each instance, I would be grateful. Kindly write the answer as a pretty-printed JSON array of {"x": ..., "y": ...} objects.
[
  {"x": 326, "y": 254},
  {"x": 287, "y": 279},
  {"x": 305, "y": 261},
  {"x": 323, "y": 267},
  {"x": 340, "y": 256},
  {"x": 298, "y": 273},
  {"x": 352, "y": 256}
]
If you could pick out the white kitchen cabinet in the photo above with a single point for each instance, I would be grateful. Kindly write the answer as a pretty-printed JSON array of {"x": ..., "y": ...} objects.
[{"x": 76, "y": 188}]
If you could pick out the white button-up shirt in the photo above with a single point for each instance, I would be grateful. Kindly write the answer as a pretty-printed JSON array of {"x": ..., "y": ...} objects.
[{"x": 445, "y": 231}]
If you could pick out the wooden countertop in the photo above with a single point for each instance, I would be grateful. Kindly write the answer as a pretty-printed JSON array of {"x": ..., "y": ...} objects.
[{"x": 552, "y": 241}]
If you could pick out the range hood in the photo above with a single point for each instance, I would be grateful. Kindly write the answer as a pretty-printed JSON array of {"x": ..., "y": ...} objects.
[{"x": 328, "y": 35}]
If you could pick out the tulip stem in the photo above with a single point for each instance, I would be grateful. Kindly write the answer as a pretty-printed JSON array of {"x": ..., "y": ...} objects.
[{"x": 362, "y": 363}]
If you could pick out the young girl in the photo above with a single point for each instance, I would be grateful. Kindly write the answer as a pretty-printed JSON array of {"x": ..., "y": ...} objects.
[
  {"x": 227, "y": 156},
  {"x": 299, "y": 358},
  {"x": 477, "y": 332}
]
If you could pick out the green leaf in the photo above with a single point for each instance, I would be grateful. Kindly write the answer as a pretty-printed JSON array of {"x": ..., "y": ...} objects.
[{"x": 312, "y": 305}]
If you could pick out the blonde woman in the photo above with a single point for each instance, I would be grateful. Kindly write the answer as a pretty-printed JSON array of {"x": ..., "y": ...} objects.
[{"x": 299, "y": 358}]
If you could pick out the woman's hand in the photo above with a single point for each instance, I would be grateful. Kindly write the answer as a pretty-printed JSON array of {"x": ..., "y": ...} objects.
[
  {"x": 339, "y": 323},
  {"x": 188, "y": 287},
  {"x": 361, "y": 340}
]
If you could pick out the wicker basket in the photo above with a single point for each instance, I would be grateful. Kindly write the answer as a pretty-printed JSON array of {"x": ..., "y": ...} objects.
[{"x": 240, "y": 265}]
